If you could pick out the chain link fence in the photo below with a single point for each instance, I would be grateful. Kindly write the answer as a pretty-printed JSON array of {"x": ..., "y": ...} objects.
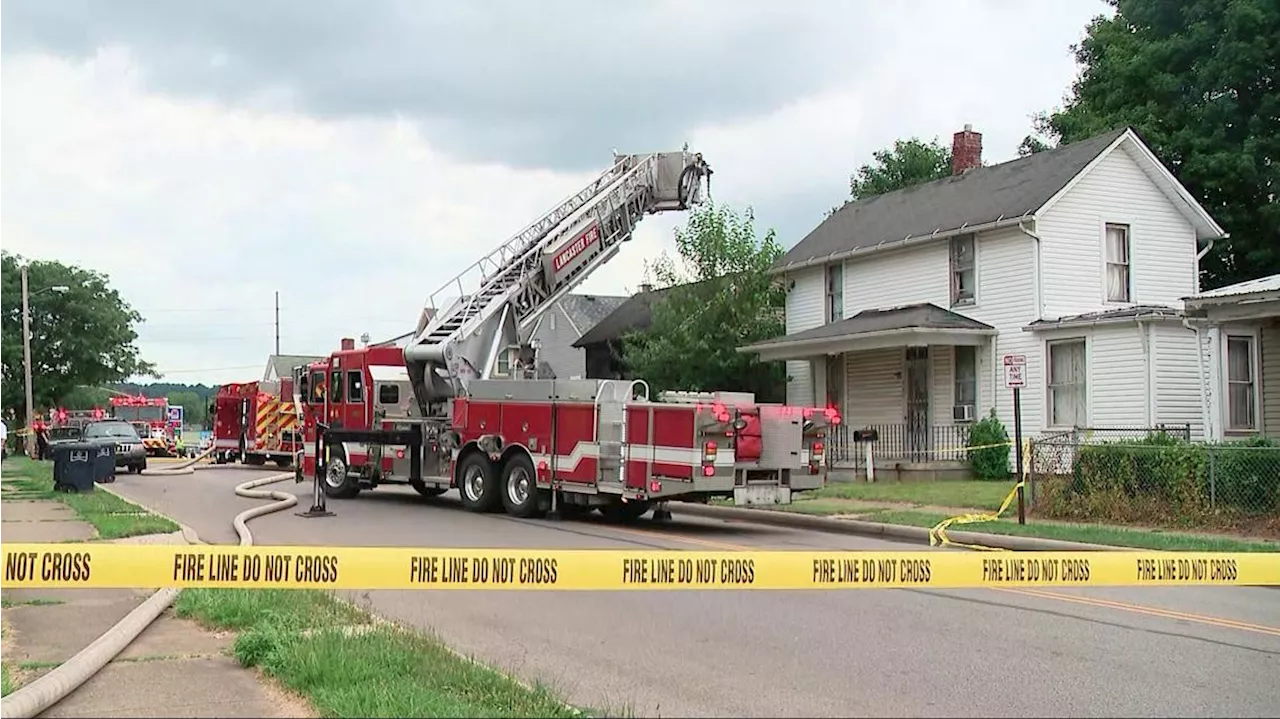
[{"x": 1157, "y": 477}]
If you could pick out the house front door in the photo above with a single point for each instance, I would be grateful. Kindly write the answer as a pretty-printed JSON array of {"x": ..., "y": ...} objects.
[{"x": 916, "y": 381}]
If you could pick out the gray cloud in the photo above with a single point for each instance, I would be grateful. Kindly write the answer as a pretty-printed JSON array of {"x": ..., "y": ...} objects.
[{"x": 553, "y": 83}]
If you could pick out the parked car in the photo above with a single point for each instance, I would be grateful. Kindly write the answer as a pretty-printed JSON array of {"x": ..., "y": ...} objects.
[
  {"x": 62, "y": 435},
  {"x": 130, "y": 452}
]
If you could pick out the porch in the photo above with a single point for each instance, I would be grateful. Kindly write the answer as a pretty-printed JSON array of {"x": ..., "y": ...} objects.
[{"x": 910, "y": 374}]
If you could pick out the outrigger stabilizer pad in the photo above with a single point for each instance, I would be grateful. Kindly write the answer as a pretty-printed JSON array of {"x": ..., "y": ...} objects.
[{"x": 661, "y": 513}]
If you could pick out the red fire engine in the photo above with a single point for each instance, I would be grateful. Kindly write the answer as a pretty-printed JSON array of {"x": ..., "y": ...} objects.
[
  {"x": 150, "y": 417},
  {"x": 458, "y": 406},
  {"x": 254, "y": 422}
]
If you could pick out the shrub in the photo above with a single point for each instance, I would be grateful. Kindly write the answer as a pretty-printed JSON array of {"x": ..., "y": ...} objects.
[{"x": 990, "y": 463}]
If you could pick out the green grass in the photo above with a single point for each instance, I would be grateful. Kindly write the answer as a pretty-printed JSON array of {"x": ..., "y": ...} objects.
[
  {"x": 7, "y": 683},
  {"x": 36, "y": 602},
  {"x": 1087, "y": 533},
  {"x": 296, "y": 636},
  {"x": 958, "y": 493},
  {"x": 112, "y": 516}
]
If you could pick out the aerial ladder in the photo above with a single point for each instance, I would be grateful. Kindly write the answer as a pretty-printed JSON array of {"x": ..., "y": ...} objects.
[{"x": 491, "y": 306}]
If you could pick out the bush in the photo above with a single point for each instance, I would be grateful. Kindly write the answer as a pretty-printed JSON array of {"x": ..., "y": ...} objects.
[
  {"x": 1165, "y": 480},
  {"x": 991, "y": 463}
]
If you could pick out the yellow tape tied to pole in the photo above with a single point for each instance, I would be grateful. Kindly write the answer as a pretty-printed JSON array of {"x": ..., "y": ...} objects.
[{"x": 148, "y": 566}]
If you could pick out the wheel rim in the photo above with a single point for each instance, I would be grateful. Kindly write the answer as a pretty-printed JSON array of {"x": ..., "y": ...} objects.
[
  {"x": 335, "y": 474},
  {"x": 518, "y": 485},
  {"x": 473, "y": 483}
]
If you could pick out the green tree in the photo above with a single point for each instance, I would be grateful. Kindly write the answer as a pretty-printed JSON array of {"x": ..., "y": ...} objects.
[
  {"x": 86, "y": 398},
  {"x": 907, "y": 163},
  {"x": 1197, "y": 78},
  {"x": 194, "y": 409},
  {"x": 84, "y": 336},
  {"x": 719, "y": 297}
]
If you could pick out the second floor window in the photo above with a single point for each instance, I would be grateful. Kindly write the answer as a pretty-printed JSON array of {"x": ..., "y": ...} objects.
[
  {"x": 963, "y": 276},
  {"x": 835, "y": 293},
  {"x": 1118, "y": 263}
]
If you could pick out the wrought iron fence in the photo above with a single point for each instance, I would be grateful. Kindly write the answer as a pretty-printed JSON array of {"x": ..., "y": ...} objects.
[
  {"x": 1156, "y": 476},
  {"x": 903, "y": 442}
]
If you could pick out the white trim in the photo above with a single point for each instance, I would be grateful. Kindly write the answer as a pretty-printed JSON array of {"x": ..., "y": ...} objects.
[
  {"x": 1224, "y": 378},
  {"x": 1196, "y": 210},
  {"x": 388, "y": 373},
  {"x": 690, "y": 456},
  {"x": 1148, "y": 335},
  {"x": 577, "y": 332}
]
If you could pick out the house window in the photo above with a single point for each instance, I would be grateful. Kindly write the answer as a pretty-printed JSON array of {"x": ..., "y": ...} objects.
[
  {"x": 966, "y": 389},
  {"x": 1067, "y": 390},
  {"x": 835, "y": 292},
  {"x": 835, "y": 382},
  {"x": 506, "y": 361},
  {"x": 963, "y": 276},
  {"x": 1242, "y": 411},
  {"x": 1118, "y": 278}
]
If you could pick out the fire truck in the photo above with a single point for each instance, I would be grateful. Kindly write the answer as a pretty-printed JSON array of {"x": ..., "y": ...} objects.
[
  {"x": 150, "y": 417},
  {"x": 255, "y": 422},
  {"x": 459, "y": 406}
]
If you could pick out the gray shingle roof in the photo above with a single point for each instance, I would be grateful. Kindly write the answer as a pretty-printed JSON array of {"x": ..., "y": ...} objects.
[
  {"x": 983, "y": 195},
  {"x": 586, "y": 311},
  {"x": 284, "y": 364},
  {"x": 634, "y": 313},
  {"x": 923, "y": 315},
  {"x": 1116, "y": 314}
]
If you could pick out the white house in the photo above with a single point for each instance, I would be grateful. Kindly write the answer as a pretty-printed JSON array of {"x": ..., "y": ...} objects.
[
  {"x": 902, "y": 306},
  {"x": 1239, "y": 369}
]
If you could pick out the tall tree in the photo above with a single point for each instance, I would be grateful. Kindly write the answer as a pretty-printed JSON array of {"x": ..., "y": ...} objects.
[
  {"x": 1197, "y": 78},
  {"x": 717, "y": 298},
  {"x": 908, "y": 162},
  {"x": 84, "y": 336}
]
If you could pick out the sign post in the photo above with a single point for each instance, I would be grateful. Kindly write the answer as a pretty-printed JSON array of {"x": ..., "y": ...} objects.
[{"x": 1015, "y": 378}]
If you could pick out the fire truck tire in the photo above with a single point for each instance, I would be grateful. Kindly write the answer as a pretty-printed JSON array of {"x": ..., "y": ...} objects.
[
  {"x": 478, "y": 483},
  {"x": 520, "y": 494},
  {"x": 338, "y": 482},
  {"x": 624, "y": 512},
  {"x": 421, "y": 488}
]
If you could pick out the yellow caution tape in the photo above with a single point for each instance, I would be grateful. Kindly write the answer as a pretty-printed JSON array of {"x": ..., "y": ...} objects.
[
  {"x": 938, "y": 535},
  {"x": 149, "y": 566}
]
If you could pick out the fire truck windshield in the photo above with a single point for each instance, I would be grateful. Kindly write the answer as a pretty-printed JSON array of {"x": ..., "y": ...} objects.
[{"x": 140, "y": 413}]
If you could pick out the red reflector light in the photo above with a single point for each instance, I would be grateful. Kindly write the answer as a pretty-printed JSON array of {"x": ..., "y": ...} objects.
[
  {"x": 542, "y": 466},
  {"x": 655, "y": 486},
  {"x": 817, "y": 448},
  {"x": 399, "y": 454},
  {"x": 708, "y": 471}
]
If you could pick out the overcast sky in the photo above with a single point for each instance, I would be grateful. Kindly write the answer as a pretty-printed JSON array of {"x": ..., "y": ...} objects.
[{"x": 356, "y": 154}]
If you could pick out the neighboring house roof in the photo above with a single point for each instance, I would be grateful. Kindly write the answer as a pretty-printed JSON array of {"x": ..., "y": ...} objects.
[
  {"x": 907, "y": 318},
  {"x": 634, "y": 313},
  {"x": 1261, "y": 285},
  {"x": 982, "y": 198},
  {"x": 283, "y": 364},
  {"x": 1119, "y": 314},
  {"x": 587, "y": 311}
]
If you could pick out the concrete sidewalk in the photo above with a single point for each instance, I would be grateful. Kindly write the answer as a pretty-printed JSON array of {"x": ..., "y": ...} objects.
[{"x": 173, "y": 669}]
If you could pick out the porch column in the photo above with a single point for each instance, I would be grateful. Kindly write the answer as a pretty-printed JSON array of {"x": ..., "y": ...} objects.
[{"x": 1215, "y": 387}]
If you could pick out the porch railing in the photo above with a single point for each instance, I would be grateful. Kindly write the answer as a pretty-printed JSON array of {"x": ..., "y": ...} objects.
[{"x": 901, "y": 442}]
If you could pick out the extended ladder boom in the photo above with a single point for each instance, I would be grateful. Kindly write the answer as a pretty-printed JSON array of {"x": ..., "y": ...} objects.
[{"x": 504, "y": 293}]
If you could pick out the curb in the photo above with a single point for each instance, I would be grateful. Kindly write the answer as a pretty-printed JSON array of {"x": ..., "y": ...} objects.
[{"x": 888, "y": 531}]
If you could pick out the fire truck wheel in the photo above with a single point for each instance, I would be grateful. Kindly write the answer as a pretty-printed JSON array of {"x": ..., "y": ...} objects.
[
  {"x": 337, "y": 482},
  {"x": 421, "y": 488},
  {"x": 520, "y": 494},
  {"x": 477, "y": 483}
]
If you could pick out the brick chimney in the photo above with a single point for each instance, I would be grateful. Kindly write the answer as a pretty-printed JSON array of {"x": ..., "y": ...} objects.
[{"x": 966, "y": 151}]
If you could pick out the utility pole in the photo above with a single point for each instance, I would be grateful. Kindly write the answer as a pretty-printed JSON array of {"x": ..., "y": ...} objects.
[
  {"x": 26, "y": 360},
  {"x": 277, "y": 322}
]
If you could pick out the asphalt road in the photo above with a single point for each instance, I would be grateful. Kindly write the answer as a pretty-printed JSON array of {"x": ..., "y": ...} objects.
[{"x": 983, "y": 652}]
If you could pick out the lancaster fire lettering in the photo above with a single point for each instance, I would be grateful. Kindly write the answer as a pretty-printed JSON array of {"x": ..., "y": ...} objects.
[
  {"x": 1029, "y": 570},
  {"x": 48, "y": 566},
  {"x": 688, "y": 572},
  {"x": 577, "y": 247},
  {"x": 872, "y": 571},
  {"x": 275, "y": 568},
  {"x": 484, "y": 571}
]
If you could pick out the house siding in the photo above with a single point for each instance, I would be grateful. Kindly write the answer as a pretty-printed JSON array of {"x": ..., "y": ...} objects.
[
  {"x": 1116, "y": 383},
  {"x": 804, "y": 311},
  {"x": 557, "y": 334},
  {"x": 1270, "y": 374},
  {"x": 1177, "y": 377},
  {"x": 918, "y": 274},
  {"x": 1162, "y": 241},
  {"x": 876, "y": 397}
]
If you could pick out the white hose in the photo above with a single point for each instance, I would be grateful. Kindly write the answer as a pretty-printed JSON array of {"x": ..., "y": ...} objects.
[
  {"x": 283, "y": 501},
  {"x": 184, "y": 468}
]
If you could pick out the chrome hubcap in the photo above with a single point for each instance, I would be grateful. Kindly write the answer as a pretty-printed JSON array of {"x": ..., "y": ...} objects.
[
  {"x": 473, "y": 483},
  {"x": 518, "y": 485},
  {"x": 336, "y": 473}
]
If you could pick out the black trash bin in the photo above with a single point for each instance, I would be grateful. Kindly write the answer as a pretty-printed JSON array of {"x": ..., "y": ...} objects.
[
  {"x": 73, "y": 466},
  {"x": 104, "y": 463}
]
